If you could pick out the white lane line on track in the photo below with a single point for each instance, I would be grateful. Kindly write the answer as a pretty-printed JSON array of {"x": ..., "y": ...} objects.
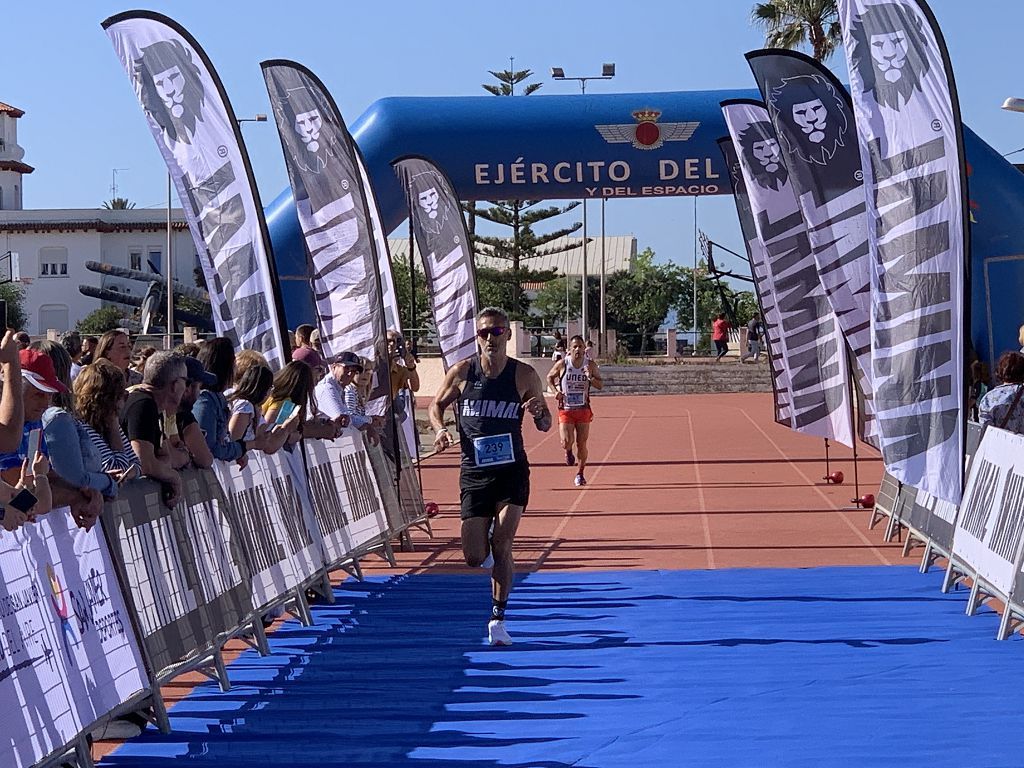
[
  {"x": 857, "y": 531},
  {"x": 704, "y": 521},
  {"x": 579, "y": 496}
]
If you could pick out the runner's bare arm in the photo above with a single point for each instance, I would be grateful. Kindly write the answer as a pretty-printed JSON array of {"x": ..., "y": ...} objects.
[
  {"x": 594, "y": 374},
  {"x": 555, "y": 380},
  {"x": 446, "y": 395},
  {"x": 533, "y": 397}
]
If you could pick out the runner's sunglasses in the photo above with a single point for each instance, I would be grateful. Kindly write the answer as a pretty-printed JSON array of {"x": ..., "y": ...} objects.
[{"x": 495, "y": 331}]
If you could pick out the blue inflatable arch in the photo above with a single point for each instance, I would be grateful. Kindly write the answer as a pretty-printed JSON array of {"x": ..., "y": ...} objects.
[{"x": 628, "y": 145}]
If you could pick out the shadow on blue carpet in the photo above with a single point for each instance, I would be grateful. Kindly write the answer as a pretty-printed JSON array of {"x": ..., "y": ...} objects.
[{"x": 816, "y": 667}]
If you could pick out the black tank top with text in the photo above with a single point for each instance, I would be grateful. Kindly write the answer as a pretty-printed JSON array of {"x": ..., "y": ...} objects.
[{"x": 490, "y": 407}]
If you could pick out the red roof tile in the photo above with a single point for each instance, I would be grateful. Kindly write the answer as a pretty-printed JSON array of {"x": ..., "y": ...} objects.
[{"x": 14, "y": 111}]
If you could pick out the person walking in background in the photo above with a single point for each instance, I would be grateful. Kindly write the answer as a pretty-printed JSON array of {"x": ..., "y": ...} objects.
[
  {"x": 720, "y": 335},
  {"x": 755, "y": 332},
  {"x": 1003, "y": 407},
  {"x": 559, "y": 352}
]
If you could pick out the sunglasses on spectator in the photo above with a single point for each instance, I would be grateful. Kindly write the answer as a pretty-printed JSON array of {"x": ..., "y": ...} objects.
[{"x": 495, "y": 331}]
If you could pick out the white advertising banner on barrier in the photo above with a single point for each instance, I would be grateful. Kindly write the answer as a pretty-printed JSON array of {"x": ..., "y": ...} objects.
[
  {"x": 988, "y": 532},
  {"x": 345, "y": 497},
  {"x": 280, "y": 547},
  {"x": 68, "y": 655}
]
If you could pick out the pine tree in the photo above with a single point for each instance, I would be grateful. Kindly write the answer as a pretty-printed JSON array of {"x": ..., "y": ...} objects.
[{"x": 520, "y": 216}]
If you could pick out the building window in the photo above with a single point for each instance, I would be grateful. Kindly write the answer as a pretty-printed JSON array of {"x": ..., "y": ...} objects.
[
  {"x": 53, "y": 316},
  {"x": 135, "y": 259},
  {"x": 53, "y": 262},
  {"x": 154, "y": 260},
  {"x": 17, "y": 198},
  {"x": 1, "y": 198}
]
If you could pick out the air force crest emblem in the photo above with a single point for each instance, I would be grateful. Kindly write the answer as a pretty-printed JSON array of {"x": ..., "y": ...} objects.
[{"x": 647, "y": 132}]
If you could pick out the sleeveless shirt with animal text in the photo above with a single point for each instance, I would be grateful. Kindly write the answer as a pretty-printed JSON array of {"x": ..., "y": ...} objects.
[{"x": 490, "y": 407}]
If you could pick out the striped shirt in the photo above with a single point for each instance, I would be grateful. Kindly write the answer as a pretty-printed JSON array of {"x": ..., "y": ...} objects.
[
  {"x": 356, "y": 407},
  {"x": 111, "y": 460}
]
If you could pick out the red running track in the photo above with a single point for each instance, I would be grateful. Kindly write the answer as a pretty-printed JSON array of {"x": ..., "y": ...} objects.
[
  {"x": 675, "y": 482},
  {"x": 681, "y": 482}
]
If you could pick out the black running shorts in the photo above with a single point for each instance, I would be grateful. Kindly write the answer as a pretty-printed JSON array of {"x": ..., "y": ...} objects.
[{"x": 483, "y": 491}]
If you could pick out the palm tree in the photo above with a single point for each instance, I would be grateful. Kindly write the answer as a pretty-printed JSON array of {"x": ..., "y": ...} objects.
[
  {"x": 118, "y": 204},
  {"x": 791, "y": 23}
]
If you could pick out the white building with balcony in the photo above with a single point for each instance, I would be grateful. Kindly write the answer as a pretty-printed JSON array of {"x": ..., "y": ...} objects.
[{"x": 53, "y": 247}]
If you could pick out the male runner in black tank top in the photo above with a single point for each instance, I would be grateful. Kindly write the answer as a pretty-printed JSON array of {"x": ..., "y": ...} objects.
[{"x": 491, "y": 393}]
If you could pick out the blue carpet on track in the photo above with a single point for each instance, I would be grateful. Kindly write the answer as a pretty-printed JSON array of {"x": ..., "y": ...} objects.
[{"x": 816, "y": 667}]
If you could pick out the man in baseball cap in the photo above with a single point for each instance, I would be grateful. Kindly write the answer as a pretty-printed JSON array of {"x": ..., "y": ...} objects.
[
  {"x": 39, "y": 385},
  {"x": 330, "y": 392}
]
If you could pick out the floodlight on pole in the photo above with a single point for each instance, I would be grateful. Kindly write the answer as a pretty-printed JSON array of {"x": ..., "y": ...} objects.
[
  {"x": 1014, "y": 105},
  {"x": 607, "y": 73},
  {"x": 258, "y": 118}
]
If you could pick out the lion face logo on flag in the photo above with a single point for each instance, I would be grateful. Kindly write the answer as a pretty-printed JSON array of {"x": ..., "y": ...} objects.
[
  {"x": 890, "y": 52},
  {"x": 763, "y": 155},
  {"x": 813, "y": 115},
  {"x": 170, "y": 88}
]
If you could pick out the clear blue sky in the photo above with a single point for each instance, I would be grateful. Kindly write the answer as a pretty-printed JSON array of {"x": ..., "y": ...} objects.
[{"x": 82, "y": 119}]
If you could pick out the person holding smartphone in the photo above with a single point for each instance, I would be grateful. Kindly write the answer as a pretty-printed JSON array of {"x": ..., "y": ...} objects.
[
  {"x": 402, "y": 365},
  {"x": 39, "y": 385},
  {"x": 246, "y": 422},
  {"x": 99, "y": 397},
  {"x": 292, "y": 400}
]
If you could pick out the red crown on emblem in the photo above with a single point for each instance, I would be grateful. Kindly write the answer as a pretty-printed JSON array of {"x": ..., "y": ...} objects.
[{"x": 647, "y": 115}]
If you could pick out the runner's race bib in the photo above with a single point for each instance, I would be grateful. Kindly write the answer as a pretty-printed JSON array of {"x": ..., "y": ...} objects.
[
  {"x": 574, "y": 400},
  {"x": 493, "y": 450}
]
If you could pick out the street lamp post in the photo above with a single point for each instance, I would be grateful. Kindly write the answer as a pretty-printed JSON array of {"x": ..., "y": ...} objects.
[
  {"x": 1014, "y": 105},
  {"x": 607, "y": 73}
]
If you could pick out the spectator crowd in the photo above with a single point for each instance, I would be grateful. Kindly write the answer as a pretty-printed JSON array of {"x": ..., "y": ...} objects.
[{"x": 81, "y": 417}]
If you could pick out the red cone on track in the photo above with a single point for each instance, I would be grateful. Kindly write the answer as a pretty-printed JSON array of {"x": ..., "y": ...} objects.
[
  {"x": 431, "y": 509},
  {"x": 835, "y": 477}
]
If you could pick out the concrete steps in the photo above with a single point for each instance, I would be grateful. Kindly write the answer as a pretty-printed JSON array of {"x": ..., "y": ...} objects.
[{"x": 685, "y": 378}]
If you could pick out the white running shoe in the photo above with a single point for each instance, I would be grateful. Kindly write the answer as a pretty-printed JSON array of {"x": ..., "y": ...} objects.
[
  {"x": 496, "y": 633},
  {"x": 580, "y": 480},
  {"x": 488, "y": 561}
]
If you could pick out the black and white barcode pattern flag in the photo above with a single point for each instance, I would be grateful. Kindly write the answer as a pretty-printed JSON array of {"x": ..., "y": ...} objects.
[
  {"x": 336, "y": 222},
  {"x": 813, "y": 346},
  {"x": 447, "y": 252},
  {"x": 757, "y": 256},
  {"x": 196, "y": 130},
  {"x": 813, "y": 120},
  {"x": 911, "y": 146}
]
